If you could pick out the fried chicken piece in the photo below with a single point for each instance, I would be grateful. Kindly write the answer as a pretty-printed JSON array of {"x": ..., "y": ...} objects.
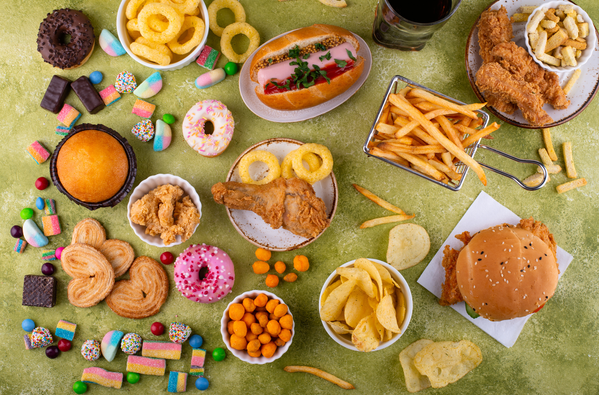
[
  {"x": 168, "y": 196},
  {"x": 288, "y": 203},
  {"x": 450, "y": 294},
  {"x": 187, "y": 217},
  {"x": 494, "y": 27},
  {"x": 493, "y": 78},
  {"x": 144, "y": 212}
]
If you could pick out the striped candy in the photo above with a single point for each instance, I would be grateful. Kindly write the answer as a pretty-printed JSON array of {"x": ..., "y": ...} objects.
[{"x": 102, "y": 377}]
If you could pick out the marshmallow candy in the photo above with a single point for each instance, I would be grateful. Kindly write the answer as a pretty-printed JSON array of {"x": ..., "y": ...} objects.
[
  {"x": 125, "y": 82},
  {"x": 160, "y": 349},
  {"x": 41, "y": 337},
  {"x": 91, "y": 350},
  {"x": 20, "y": 246},
  {"x": 68, "y": 115},
  {"x": 131, "y": 343},
  {"x": 143, "y": 108},
  {"x": 143, "y": 130},
  {"x": 102, "y": 377},
  {"x": 51, "y": 225},
  {"x": 143, "y": 365},
  {"x": 66, "y": 330},
  {"x": 163, "y": 136},
  {"x": 110, "y": 44},
  {"x": 110, "y": 95},
  {"x": 151, "y": 86},
  {"x": 110, "y": 344},
  {"x": 38, "y": 152},
  {"x": 210, "y": 78},
  {"x": 177, "y": 382},
  {"x": 208, "y": 57},
  {"x": 33, "y": 234},
  {"x": 179, "y": 332}
]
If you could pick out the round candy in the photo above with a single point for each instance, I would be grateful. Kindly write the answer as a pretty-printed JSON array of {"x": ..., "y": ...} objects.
[
  {"x": 231, "y": 68},
  {"x": 132, "y": 378},
  {"x": 96, "y": 77},
  {"x": 131, "y": 343},
  {"x": 144, "y": 130},
  {"x": 58, "y": 252},
  {"x": 166, "y": 258},
  {"x": 80, "y": 387},
  {"x": 202, "y": 383},
  {"x": 218, "y": 354},
  {"x": 64, "y": 345},
  {"x": 48, "y": 269},
  {"x": 26, "y": 213},
  {"x": 28, "y": 325},
  {"x": 168, "y": 118},
  {"x": 196, "y": 341},
  {"x": 91, "y": 350},
  {"x": 16, "y": 231},
  {"x": 178, "y": 332},
  {"x": 125, "y": 82},
  {"x": 39, "y": 203},
  {"x": 157, "y": 328},
  {"x": 52, "y": 352},
  {"x": 42, "y": 183}
]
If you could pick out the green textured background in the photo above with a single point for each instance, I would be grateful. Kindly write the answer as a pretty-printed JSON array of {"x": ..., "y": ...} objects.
[{"x": 558, "y": 350}]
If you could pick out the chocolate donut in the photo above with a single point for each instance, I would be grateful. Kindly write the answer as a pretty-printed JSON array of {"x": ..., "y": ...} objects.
[{"x": 53, "y": 32}]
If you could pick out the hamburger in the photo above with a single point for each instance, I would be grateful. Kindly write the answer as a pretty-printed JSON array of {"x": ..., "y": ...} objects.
[{"x": 502, "y": 272}]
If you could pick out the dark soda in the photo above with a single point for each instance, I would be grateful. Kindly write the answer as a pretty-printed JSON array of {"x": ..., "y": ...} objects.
[{"x": 421, "y": 11}]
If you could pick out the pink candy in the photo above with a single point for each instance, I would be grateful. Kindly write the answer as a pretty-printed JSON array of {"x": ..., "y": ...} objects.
[
  {"x": 143, "y": 109},
  {"x": 38, "y": 152},
  {"x": 68, "y": 115},
  {"x": 51, "y": 225},
  {"x": 109, "y": 95}
]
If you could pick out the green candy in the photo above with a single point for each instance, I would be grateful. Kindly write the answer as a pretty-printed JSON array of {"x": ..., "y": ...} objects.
[
  {"x": 26, "y": 213},
  {"x": 80, "y": 387},
  {"x": 168, "y": 118},
  {"x": 132, "y": 378},
  {"x": 218, "y": 354},
  {"x": 231, "y": 68}
]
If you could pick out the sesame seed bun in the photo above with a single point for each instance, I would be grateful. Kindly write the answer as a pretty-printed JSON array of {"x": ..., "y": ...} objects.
[{"x": 506, "y": 272}]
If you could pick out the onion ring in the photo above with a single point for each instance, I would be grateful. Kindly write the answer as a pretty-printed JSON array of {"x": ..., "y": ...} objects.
[
  {"x": 154, "y": 21},
  {"x": 322, "y": 172},
  {"x": 174, "y": 18},
  {"x": 311, "y": 158},
  {"x": 188, "y": 7},
  {"x": 157, "y": 53},
  {"x": 231, "y": 31},
  {"x": 274, "y": 168},
  {"x": 218, "y": 5},
  {"x": 198, "y": 33}
]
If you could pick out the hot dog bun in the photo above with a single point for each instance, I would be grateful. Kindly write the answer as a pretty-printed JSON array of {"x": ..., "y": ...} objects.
[{"x": 317, "y": 94}]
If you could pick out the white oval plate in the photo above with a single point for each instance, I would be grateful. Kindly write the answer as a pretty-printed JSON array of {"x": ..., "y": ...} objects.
[
  {"x": 248, "y": 93},
  {"x": 251, "y": 226},
  {"x": 580, "y": 96}
]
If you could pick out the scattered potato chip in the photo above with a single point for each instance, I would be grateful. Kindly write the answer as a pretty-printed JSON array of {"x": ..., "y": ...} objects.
[
  {"x": 387, "y": 315},
  {"x": 336, "y": 300},
  {"x": 408, "y": 245},
  {"x": 366, "y": 336},
  {"x": 357, "y": 307},
  {"x": 414, "y": 380},
  {"x": 360, "y": 276}
]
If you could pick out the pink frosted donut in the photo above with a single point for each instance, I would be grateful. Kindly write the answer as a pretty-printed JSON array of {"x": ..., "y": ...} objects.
[
  {"x": 209, "y": 145},
  {"x": 218, "y": 281}
]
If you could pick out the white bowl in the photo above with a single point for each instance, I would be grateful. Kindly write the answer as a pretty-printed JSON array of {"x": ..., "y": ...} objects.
[
  {"x": 121, "y": 28},
  {"x": 243, "y": 355},
  {"x": 146, "y": 186},
  {"x": 591, "y": 38},
  {"x": 345, "y": 340}
]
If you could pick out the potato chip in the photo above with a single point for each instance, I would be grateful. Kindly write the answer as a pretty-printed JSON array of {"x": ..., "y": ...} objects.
[
  {"x": 373, "y": 303},
  {"x": 388, "y": 335},
  {"x": 386, "y": 314},
  {"x": 335, "y": 302},
  {"x": 400, "y": 307},
  {"x": 340, "y": 327},
  {"x": 357, "y": 307},
  {"x": 372, "y": 271},
  {"x": 384, "y": 273},
  {"x": 408, "y": 245},
  {"x": 380, "y": 329},
  {"x": 447, "y": 362},
  {"x": 366, "y": 336},
  {"x": 360, "y": 276},
  {"x": 414, "y": 380},
  {"x": 328, "y": 291}
]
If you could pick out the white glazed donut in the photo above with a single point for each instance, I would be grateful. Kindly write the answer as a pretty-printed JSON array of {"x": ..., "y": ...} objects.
[{"x": 193, "y": 128}]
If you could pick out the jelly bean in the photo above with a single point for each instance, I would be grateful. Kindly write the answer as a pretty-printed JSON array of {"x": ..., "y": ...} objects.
[
  {"x": 231, "y": 68},
  {"x": 168, "y": 118},
  {"x": 39, "y": 203},
  {"x": 80, "y": 387},
  {"x": 42, "y": 183},
  {"x": 26, "y": 213},
  {"x": 166, "y": 258},
  {"x": 33, "y": 234},
  {"x": 48, "y": 269},
  {"x": 64, "y": 345},
  {"x": 196, "y": 341},
  {"x": 157, "y": 328},
  {"x": 210, "y": 78},
  {"x": 163, "y": 136},
  {"x": 58, "y": 252},
  {"x": 52, "y": 352},
  {"x": 16, "y": 231},
  {"x": 96, "y": 77},
  {"x": 28, "y": 325},
  {"x": 132, "y": 377},
  {"x": 202, "y": 383},
  {"x": 218, "y": 354}
]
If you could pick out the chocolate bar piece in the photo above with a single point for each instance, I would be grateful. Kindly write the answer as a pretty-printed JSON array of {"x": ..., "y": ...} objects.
[
  {"x": 56, "y": 93},
  {"x": 39, "y": 291},
  {"x": 88, "y": 95}
]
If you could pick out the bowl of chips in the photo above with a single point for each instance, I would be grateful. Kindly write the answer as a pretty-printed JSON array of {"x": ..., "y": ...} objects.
[
  {"x": 365, "y": 305},
  {"x": 165, "y": 35}
]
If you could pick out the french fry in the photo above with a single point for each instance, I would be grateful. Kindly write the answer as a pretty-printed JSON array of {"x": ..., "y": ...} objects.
[
  {"x": 410, "y": 149},
  {"x": 571, "y": 27},
  {"x": 535, "y": 20},
  {"x": 551, "y": 167},
  {"x": 383, "y": 203},
  {"x": 571, "y": 185},
  {"x": 390, "y": 156},
  {"x": 534, "y": 180},
  {"x": 550, "y": 60},
  {"x": 541, "y": 46},
  {"x": 572, "y": 81},
  {"x": 549, "y": 24},
  {"x": 449, "y": 130},
  {"x": 385, "y": 220},
  {"x": 582, "y": 45},
  {"x": 480, "y": 134},
  {"x": 324, "y": 375},
  {"x": 527, "y": 9},
  {"x": 443, "y": 103},
  {"x": 445, "y": 169},
  {"x": 569, "y": 160},
  {"x": 519, "y": 17},
  {"x": 583, "y": 30},
  {"x": 550, "y": 15},
  {"x": 423, "y": 164},
  {"x": 385, "y": 114},
  {"x": 556, "y": 40},
  {"x": 447, "y": 158},
  {"x": 386, "y": 129},
  {"x": 569, "y": 56},
  {"x": 549, "y": 143}
]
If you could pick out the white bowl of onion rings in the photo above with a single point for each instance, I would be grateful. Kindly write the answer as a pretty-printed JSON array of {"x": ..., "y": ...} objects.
[{"x": 178, "y": 61}]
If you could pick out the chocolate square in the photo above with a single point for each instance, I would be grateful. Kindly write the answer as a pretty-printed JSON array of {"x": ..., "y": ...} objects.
[
  {"x": 88, "y": 95},
  {"x": 56, "y": 93},
  {"x": 39, "y": 291}
]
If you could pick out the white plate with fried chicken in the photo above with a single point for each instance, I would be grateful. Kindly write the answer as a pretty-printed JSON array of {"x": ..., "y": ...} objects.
[
  {"x": 284, "y": 214},
  {"x": 517, "y": 89}
]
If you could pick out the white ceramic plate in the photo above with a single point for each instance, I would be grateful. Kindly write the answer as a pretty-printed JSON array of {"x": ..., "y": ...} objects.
[
  {"x": 248, "y": 93},
  {"x": 251, "y": 226},
  {"x": 580, "y": 96}
]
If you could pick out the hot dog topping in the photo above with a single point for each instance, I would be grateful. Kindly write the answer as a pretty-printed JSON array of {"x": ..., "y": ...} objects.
[{"x": 328, "y": 43}]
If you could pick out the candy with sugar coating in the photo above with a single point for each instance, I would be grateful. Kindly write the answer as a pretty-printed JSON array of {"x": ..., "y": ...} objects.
[
  {"x": 62, "y": 130},
  {"x": 33, "y": 234},
  {"x": 66, "y": 330},
  {"x": 208, "y": 57},
  {"x": 177, "y": 382},
  {"x": 163, "y": 136},
  {"x": 38, "y": 152},
  {"x": 151, "y": 86},
  {"x": 125, "y": 82},
  {"x": 102, "y": 377},
  {"x": 48, "y": 255},
  {"x": 91, "y": 350},
  {"x": 68, "y": 115},
  {"x": 41, "y": 337},
  {"x": 210, "y": 78},
  {"x": 28, "y": 345},
  {"x": 131, "y": 343},
  {"x": 143, "y": 365},
  {"x": 179, "y": 332},
  {"x": 110, "y": 44},
  {"x": 20, "y": 246},
  {"x": 110, "y": 344},
  {"x": 198, "y": 356},
  {"x": 143, "y": 130},
  {"x": 160, "y": 349},
  {"x": 49, "y": 206},
  {"x": 109, "y": 95},
  {"x": 51, "y": 225},
  {"x": 143, "y": 108}
]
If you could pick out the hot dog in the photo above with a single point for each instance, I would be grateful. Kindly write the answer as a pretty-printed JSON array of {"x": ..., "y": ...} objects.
[{"x": 306, "y": 67}]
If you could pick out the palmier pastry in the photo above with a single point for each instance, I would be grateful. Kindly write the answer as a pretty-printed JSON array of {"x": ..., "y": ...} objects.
[
  {"x": 89, "y": 231},
  {"x": 120, "y": 255},
  {"x": 93, "y": 275},
  {"x": 143, "y": 294}
]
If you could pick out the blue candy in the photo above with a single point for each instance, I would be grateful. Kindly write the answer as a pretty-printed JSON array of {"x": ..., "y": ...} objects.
[
  {"x": 196, "y": 341},
  {"x": 28, "y": 325},
  {"x": 39, "y": 203},
  {"x": 96, "y": 77},
  {"x": 202, "y": 383}
]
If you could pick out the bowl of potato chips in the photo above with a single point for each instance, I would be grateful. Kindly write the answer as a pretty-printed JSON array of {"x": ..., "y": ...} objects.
[{"x": 365, "y": 305}]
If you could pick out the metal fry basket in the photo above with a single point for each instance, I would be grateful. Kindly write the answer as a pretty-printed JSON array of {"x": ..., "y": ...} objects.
[{"x": 461, "y": 168}]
